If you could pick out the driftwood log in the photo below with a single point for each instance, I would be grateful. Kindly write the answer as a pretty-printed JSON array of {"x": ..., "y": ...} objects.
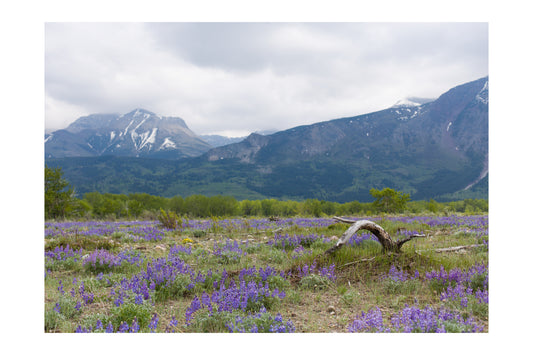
[{"x": 384, "y": 238}]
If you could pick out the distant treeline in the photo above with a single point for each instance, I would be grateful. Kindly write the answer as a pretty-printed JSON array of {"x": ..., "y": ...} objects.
[
  {"x": 61, "y": 203},
  {"x": 145, "y": 206}
]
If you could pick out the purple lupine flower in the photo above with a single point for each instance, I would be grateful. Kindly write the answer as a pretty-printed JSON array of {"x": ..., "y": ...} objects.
[
  {"x": 134, "y": 326},
  {"x": 61, "y": 253},
  {"x": 123, "y": 328},
  {"x": 172, "y": 325},
  {"x": 396, "y": 274},
  {"x": 138, "y": 299},
  {"x": 230, "y": 250},
  {"x": 482, "y": 296},
  {"x": 326, "y": 271},
  {"x": 153, "y": 323},
  {"x": 299, "y": 252},
  {"x": 176, "y": 249},
  {"x": 243, "y": 296},
  {"x": 370, "y": 321},
  {"x": 109, "y": 328},
  {"x": 88, "y": 298},
  {"x": 102, "y": 258},
  {"x": 79, "y": 329}
]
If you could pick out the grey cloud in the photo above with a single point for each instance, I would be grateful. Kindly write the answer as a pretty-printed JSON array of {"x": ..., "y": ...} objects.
[{"x": 252, "y": 76}]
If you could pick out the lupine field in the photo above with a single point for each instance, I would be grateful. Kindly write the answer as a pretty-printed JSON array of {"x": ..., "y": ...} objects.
[{"x": 262, "y": 275}]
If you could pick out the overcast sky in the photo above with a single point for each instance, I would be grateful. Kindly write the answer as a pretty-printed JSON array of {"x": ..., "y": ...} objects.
[{"x": 236, "y": 78}]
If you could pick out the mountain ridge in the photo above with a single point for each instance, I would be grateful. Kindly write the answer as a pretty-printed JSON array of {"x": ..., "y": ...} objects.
[
  {"x": 438, "y": 148},
  {"x": 136, "y": 133}
]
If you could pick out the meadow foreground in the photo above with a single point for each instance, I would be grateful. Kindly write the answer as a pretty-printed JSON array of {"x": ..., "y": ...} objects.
[{"x": 262, "y": 275}]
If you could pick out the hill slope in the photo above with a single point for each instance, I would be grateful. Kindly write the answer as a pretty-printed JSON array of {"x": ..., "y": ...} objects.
[{"x": 429, "y": 150}]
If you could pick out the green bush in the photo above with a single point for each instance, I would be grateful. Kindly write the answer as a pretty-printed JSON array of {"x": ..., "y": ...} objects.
[
  {"x": 205, "y": 322},
  {"x": 199, "y": 233},
  {"x": 350, "y": 298},
  {"x": 315, "y": 282},
  {"x": 129, "y": 311},
  {"x": 177, "y": 288},
  {"x": 169, "y": 219},
  {"x": 278, "y": 282}
]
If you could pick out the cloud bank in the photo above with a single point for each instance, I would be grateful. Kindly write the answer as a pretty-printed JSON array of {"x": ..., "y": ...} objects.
[{"x": 236, "y": 78}]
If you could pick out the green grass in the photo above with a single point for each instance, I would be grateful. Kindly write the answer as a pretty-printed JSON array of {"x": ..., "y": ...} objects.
[{"x": 359, "y": 286}]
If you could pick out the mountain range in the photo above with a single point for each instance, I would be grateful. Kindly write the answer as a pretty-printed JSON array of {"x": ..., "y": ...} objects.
[
  {"x": 139, "y": 133},
  {"x": 427, "y": 148}
]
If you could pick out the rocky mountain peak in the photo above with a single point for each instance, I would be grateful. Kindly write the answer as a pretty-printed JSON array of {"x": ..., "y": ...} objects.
[{"x": 137, "y": 133}]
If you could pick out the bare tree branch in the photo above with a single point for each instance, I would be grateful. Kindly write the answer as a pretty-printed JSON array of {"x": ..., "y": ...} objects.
[{"x": 383, "y": 237}]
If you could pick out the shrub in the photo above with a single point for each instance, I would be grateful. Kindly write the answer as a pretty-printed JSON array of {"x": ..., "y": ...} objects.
[
  {"x": 208, "y": 322},
  {"x": 349, "y": 298},
  {"x": 316, "y": 282},
  {"x": 169, "y": 219},
  {"x": 199, "y": 233},
  {"x": 127, "y": 312},
  {"x": 174, "y": 289}
]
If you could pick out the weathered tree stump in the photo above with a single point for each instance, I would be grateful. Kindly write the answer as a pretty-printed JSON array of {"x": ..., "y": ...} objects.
[{"x": 384, "y": 238}]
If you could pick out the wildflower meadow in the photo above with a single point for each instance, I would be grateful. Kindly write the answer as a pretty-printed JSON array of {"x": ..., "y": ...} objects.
[{"x": 260, "y": 275}]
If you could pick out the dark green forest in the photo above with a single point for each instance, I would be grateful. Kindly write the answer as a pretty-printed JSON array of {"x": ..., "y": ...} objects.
[
  {"x": 332, "y": 180},
  {"x": 61, "y": 203}
]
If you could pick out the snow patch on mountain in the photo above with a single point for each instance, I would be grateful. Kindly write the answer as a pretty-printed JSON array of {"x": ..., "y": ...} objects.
[
  {"x": 405, "y": 103},
  {"x": 126, "y": 129},
  {"x": 407, "y": 113},
  {"x": 411, "y": 102},
  {"x": 483, "y": 94},
  {"x": 168, "y": 143},
  {"x": 150, "y": 139}
]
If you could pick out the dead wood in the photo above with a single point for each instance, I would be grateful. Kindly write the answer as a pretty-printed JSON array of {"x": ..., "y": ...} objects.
[
  {"x": 460, "y": 247},
  {"x": 358, "y": 261},
  {"x": 383, "y": 237}
]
